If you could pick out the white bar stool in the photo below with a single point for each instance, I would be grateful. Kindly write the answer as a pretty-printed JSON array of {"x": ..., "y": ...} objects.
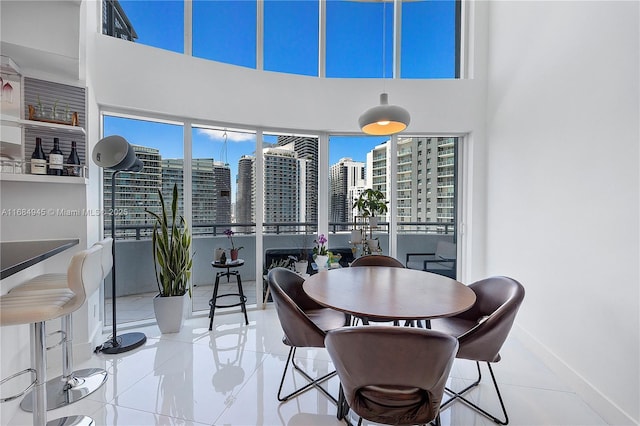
[
  {"x": 83, "y": 277},
  {"x": 35, "y": 308}
]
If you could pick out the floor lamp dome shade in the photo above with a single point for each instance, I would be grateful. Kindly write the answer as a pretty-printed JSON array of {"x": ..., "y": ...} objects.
[
  {"x": 384, "y": 119},
  {"x": 115, "y": 153}
]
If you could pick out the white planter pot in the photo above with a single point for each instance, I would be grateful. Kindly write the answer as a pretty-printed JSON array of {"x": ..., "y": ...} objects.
[
  {"x": 170, "y": 312},
  {"x": 322, "y": 261},
  {"x": 373, "y": 221},
  {"x": 301, "y": 266}
]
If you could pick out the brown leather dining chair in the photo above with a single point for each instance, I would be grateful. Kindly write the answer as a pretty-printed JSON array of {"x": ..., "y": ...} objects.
[
  {"x": 304, "y": 323},
  {"x": 391, "y": 375},
  {"x": 377, "y": 260},
  {"x": 482, "y": 330}
]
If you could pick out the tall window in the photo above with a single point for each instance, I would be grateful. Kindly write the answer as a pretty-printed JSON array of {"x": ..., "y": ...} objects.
[
  {"x": 429, "y": 31},
  {"x": 352, "y": 169},
  {"x": 222, "y": 198},
  {"x": 160, "y": 148},
  {"x": 426, "y": 201},
  {"x": 225, "y": 31},
  {"x": 153, "y": 23},
  {"x": 291, "y": 36},
  {"x": 355, "y": 42}
]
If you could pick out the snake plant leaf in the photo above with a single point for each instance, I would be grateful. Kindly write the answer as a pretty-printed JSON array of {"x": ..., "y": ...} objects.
[{"x": 171, "y": 249}]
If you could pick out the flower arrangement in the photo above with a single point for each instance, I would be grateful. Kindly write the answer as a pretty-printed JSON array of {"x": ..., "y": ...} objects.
[
  {"x": 320, "y": 248},
  {"x": 229, "y": 233}
]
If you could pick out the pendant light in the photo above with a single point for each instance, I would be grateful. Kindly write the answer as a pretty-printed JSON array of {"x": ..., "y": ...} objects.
[{"x": 384, "y": 119}]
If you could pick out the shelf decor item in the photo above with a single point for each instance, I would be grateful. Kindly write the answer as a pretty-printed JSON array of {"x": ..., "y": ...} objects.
[
  {"x": 41, "y": 113},
  {"x": 115, "y": 153}
]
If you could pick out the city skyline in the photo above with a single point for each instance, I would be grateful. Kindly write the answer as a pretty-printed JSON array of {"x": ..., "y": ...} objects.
[{"x": 425, "y": 184}]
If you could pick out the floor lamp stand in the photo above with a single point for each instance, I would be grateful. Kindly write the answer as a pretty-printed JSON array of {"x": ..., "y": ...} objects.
[{"x": 128, "y": 341}]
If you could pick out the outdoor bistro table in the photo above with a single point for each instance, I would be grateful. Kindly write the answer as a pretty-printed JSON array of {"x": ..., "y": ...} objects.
[{"x": 389, "y": 293}]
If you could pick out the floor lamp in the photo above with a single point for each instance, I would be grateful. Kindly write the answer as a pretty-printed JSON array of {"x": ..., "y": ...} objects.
[{"x": 115, "y": 153}]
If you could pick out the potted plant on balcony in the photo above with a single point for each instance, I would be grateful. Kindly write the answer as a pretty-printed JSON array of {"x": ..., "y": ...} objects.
[
  {"x": 370, "y": 204},
  {"x": 234, "y": 251},
  {"x": 320, "y": 252},
  {"x": 171, "y": 243}
]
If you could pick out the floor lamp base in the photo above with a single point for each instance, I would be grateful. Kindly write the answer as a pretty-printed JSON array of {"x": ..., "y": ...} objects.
[{"x": 124, "y": 343}]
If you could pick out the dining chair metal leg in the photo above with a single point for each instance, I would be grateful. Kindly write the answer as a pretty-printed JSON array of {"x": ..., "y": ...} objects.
[
  {"x": 312, "y": 382},
  {"x": 343, "y": 407},
  {"x": 460, "y": 395}
]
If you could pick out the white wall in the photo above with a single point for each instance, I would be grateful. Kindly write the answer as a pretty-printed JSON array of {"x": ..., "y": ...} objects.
[{"x": 563, "y": 186}]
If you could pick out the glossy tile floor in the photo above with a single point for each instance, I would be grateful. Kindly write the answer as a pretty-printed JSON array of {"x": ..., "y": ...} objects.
[{"x": 230, "y": 376}]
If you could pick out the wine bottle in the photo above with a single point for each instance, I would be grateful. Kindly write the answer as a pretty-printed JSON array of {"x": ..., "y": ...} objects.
[
  {"x": 38, "y": 159},
  {"x": 56, "y": 159},
  {"x": 70, "y": 170}
]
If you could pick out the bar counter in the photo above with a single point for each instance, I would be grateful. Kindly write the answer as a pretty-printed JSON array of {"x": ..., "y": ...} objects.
[{"x": 16, "y": 256}]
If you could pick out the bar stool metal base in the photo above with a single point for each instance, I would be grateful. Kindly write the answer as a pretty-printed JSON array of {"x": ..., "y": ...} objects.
[
  {"x": 61, "y": 393},
  {"x": 72, "y": 421}
]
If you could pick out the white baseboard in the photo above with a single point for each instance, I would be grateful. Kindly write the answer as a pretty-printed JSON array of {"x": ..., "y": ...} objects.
[{"x": 600, "y": 403}]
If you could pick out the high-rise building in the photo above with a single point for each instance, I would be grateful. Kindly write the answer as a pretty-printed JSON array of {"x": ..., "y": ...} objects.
[
  {"x": 346, "y": 183},
  {"x": 281, "y": 185},
  {"x": 245, "y": 190},
  {"x": 135, "y": 192},
  {"x": 284, "y": 186},
  {"x": 307, "y": 149},
  {"x": 425, "y": 177},
  {"x": 210, "y": 191}
]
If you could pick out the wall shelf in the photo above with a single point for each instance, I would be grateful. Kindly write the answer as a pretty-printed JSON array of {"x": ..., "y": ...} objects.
[
  {"x": 25, "y": 177},
  {"x": 32, "y": 124}
]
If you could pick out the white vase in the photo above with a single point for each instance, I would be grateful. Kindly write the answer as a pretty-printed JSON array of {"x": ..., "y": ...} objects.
[
  {"x": 170, "y": 312},
  {"x": 373, "y": 221},
  {"x": 322, "y": 261},
  {"x": 301, "y": 266}
]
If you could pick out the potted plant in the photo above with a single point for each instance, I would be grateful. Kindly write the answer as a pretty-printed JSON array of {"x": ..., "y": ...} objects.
[
  {"x": 234, "y": 251},
  {"x": 370, "y": 204},
  {"x": 320, "y": 252},
  {"x": 171, "y": 243}
]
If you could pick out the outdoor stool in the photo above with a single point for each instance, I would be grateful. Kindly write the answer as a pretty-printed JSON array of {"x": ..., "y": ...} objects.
[
  {"x": 34, "y": 308},
  {"x": 240, "y": 294}
]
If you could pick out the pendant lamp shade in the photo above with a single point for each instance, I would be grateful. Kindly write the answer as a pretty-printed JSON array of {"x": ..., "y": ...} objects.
[{"x": 384, "y": 119}]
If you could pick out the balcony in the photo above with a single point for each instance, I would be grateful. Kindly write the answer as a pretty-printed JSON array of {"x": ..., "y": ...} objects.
[{"x": 137, "y": 285}]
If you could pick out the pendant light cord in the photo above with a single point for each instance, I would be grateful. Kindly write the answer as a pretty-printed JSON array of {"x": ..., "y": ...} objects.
[{"x": 384, "y": 46}]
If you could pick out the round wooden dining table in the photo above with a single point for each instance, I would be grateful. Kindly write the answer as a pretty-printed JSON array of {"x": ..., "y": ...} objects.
[{"x": 389, "y": 293}]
